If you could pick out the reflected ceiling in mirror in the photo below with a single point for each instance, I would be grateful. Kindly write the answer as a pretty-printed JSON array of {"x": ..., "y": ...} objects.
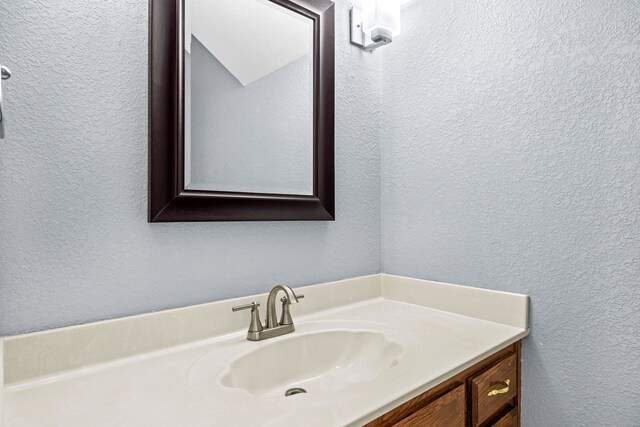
[{"x": 248, "y": 93}]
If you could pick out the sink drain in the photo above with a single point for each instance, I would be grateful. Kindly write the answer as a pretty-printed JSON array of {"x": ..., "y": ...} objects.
[{"x": 295, "y": 390}]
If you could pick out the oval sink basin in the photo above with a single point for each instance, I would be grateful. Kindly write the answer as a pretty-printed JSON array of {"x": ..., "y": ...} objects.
[{"x": 317, "y": 361}]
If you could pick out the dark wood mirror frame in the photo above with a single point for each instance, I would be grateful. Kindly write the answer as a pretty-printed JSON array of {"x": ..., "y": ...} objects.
[{"x": 169, "y": 201}]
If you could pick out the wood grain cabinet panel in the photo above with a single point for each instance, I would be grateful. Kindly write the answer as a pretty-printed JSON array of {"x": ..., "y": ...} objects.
[
  {"x": 446, "y": 411},
  {"x": 510, "y": 419},
  {"x": 476, "y": 397},
  {"x": 493, "y": 389}
]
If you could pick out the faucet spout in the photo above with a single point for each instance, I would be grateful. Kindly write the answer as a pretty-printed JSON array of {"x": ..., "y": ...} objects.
[{"x": 272, "y": 319}]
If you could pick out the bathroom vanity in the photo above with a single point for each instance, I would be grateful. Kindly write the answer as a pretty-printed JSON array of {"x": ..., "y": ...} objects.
[{"x": 377, "y": 350}]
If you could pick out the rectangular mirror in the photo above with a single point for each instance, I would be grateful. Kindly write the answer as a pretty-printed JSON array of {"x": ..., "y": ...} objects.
[
  {"x": 248, "y": 73},
  {"x": 241, "y": 110}
]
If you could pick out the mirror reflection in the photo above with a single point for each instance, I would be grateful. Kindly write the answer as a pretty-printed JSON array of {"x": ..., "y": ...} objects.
[{"x": 248, "y": 67}]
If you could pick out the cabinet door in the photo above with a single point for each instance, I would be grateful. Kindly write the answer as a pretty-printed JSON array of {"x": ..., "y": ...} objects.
[{"x": 446, "y": 411}]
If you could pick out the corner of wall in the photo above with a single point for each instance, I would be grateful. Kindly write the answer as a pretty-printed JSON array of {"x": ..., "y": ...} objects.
[
  {"x": 1, "y": 383},
  {"x": 380, "y": 159}
]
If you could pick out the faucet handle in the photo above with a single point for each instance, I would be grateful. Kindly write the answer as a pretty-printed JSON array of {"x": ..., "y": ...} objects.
[
  {"x": 256, "y": 324},
  {"x": 251, "y": 305},
  {"x": 284, "y": 299},
  {"x": 285, "y": 318}
]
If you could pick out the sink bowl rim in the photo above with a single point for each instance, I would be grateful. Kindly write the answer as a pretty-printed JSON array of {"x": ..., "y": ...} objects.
[{"x": 389, "y": 341}]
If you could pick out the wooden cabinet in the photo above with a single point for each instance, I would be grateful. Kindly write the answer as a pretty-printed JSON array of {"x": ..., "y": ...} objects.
[
  {"x": 487, "y": 394},
  {"x": 493, "y": 389},
  {"x": 445, "y": 410}
]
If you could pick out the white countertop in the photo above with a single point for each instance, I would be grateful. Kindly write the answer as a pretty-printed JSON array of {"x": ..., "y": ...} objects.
[{"x": 168, "y": 387}]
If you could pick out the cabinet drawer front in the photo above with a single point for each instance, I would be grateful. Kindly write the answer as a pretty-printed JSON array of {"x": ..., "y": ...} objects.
[
  {"x": 493, "y": 389},
  {"x": 510, "y": 419},
  {"x": 446, "y": 411}
]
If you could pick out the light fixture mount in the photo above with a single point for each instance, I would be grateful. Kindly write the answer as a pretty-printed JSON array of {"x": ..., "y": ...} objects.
[{"x": 368, "y": 43}]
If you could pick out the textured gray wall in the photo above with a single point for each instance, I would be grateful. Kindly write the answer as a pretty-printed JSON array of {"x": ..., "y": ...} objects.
[
  {"x": 254, "y": 138},
  {"x": 510, "y": 160},
  {"x": 73, "y": 180}
]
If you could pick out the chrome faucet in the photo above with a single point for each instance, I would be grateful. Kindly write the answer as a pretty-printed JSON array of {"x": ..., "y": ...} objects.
[{"x": 273, "y": 327}]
